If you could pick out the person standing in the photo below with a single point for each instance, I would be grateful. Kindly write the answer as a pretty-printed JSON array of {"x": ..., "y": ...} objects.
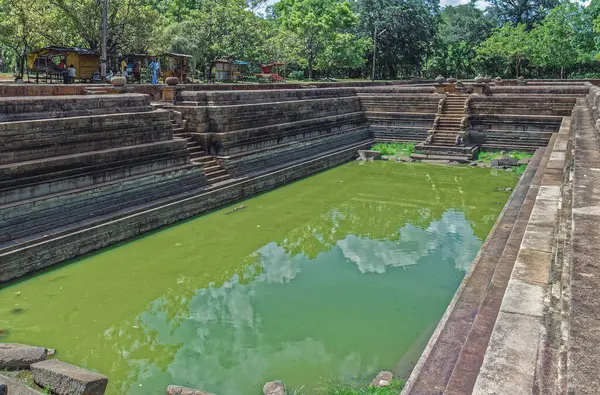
[
  {"x": 137, "y": 71},
  {"x": 72, "y": 73},
  {"x": 123, "y": 65},
  {"x": 155, "y": 68}
]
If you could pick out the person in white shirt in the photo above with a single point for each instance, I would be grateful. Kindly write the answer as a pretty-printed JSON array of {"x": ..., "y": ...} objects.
[{"x": 72, "y": 74}]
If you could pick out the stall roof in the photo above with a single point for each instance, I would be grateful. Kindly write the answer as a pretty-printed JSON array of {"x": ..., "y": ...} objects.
[
  {"x": 239, "y": 62},
  {"x": 175, "y": 54},
  {"x": 56, "y": 51}
]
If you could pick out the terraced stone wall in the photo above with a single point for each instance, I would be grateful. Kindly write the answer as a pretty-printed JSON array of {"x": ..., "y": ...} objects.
[
  {"x": 522, "y": 121},
  {"x": 266, "y": 130},
  {"x": 75, "y": 161}
]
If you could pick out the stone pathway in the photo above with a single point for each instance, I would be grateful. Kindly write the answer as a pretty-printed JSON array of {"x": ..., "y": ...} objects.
[{"x": 583, "y": 372}]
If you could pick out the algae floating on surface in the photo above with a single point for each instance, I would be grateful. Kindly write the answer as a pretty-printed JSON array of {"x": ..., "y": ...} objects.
[{"x": 347, "y": 271}]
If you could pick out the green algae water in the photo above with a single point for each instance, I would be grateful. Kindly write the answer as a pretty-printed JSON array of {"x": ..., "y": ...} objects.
[{"x": 337, "y": 276}]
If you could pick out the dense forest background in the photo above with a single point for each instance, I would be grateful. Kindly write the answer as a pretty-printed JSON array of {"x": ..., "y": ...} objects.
[{"x": 326, "y": 38}]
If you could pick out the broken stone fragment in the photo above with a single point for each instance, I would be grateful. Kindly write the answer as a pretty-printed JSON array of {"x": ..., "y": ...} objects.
[
  {"x": 274, "y": 388},
  {"x": 178, "y": 390},
  {"x": 368, "y": 154},
  {"x": 20, "y": 356},
  {"x": 62, "y": 378},
  {"x": 504, "y": 162},
  {"x": 383, "y": 379}
]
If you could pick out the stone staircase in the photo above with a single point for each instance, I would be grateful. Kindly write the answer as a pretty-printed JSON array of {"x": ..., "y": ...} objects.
[
  {"x": 213, "y": 171},
  {"x": 448, "y": 139}
]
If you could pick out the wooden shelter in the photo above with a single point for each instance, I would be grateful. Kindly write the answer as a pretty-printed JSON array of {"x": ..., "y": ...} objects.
[
  {"x": 44, "y": 63},
  {"x": 222, "y": 69},
  {"x": 175, "y": 65},
  {"x": 226, "y": 70}
]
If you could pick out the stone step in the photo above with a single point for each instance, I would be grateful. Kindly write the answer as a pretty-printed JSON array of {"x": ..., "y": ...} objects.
[
  {"x": 205, "y": 159},
  {"x": 195, "y": 156},
  {"x": 194, "y": 149},
  {"x": 31, "y": 217},
  {"x": 41, "y": 169},
  {"x": 220, "y": 178},
  {"x": 32, "y": 187},
  {"x": 212, "y": 168},
  {"x": 215, "y": 174}
]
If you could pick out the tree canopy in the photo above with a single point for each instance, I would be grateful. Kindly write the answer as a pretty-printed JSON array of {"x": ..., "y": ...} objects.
[{"x": 325, "y": 38}]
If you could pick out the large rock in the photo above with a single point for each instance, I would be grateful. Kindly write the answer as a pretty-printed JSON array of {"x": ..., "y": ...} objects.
[
  {"x": 65, "y": 379},
  {"x": 365, "y": 155},
  {"x": 178, "y": 390},
  {"x": 383, "y": 379},
  {"x": 20, "y": 356},
  {"x": 274, "y": 388}
]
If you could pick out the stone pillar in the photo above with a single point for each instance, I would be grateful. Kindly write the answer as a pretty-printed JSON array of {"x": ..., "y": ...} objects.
[
  {"x": 168, "y": 93},
  {"x": 440, "y": 88}
]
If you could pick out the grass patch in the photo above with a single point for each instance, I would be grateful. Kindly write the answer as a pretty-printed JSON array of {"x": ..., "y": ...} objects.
[
  {"x": 398, "y": 149},
  {"x": 486, "y": 157},
  {"x": 334, "y": 387},
  {"x": 519, "y": 170}
]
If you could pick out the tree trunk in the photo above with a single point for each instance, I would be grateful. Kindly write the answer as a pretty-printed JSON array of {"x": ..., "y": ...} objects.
[
  {"x": 22, "y": 66},
  {"x": 310, "y": 68},
  {"x": 392, "y": 71}
]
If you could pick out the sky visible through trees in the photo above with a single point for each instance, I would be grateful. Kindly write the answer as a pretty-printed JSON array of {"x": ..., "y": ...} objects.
[{"x": 327, "y": 38}]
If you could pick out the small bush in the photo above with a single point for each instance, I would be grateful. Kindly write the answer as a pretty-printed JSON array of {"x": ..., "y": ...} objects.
[
  {"x": 296, "y": 75},
  {"x": 398, "y": 149}
]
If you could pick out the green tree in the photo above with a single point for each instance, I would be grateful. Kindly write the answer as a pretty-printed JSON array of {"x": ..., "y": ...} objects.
[
  {"x": 560, "y": 39},
  {"x": 507, "y": 46},
  {"x": 527, "y": 12},
  {"x": 461, "y": 29},
  {"x": 345, "y": 52},
  {"x": 405, "y": 30},
  {"x": 19, "y": 27},
  {"x": 220, "y": 28},
  {"x": 132, "y": 25},
  {"x": 315, "y": 23}
]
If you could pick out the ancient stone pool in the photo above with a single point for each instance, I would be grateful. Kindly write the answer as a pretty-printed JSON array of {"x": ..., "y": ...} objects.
[{"x": 336, "y": 276}]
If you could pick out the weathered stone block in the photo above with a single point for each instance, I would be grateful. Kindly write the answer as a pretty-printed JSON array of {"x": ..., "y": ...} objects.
[
  {"x": 369, "y": 155},
  {"x": 178, "y": 390},
  {"x": 504, "y": 162},
  {"x": 383, "y": 379},
  {"x": 274, "y": 388},
  {"x": 20, "y": 356},
  {"x": 65, "y": 379}
]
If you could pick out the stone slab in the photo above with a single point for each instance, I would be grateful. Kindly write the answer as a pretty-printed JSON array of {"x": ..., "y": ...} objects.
[
  {"x": 533, "y": 266},
  {"x": 524, "y": 298},
  {"x": 16, "y": 388},
  {"x": 66, "y": 379},
  {"x": 509, "y": 363},
  {"x": 20, "y": 356},
  {"x": 178, "y": 390}
]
